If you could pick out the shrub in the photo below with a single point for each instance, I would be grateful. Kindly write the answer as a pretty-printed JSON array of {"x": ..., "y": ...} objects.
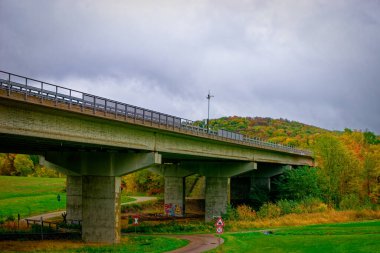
[
  {"x": 286, "y": 206},
  {"x": 350, "y": 202},
  {"x": 10, "y": 218},
  {"x": 246, "y": 213},
  {"x": 269, "y": 210},
  {"x": 311, "y": 205},
  {"x": 23, "y": 164},
  {"x": 297, "y": 184},
  {"x": 36, "y": 228},
  {"x": 230, "y": 213}
]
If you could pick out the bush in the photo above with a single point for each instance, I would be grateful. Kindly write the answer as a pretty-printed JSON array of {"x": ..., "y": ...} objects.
[
  {"x": 310, "y": 205},
  {"x": 23, "y": 164},
  {"x": 246, "y": 213},
  {"x": 230, "y": 213},
  {"x": 297, "y": 184},
  {"x": 36, "y": 228},
  {"x": 10, "y": 218},
  {"x": 350, "y": 202},
  {"x": 286, "y": 206},
  {"x": 269, "y": 210}
]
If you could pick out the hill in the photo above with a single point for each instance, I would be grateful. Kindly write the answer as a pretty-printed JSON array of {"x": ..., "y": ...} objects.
[{"x": 281, "y": 131}]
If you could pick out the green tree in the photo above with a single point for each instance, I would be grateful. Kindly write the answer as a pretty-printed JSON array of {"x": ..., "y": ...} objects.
[
  {"x": 370, "y": 138},
  {"x": 298, "y": 184},
  {"x": 372, "y": 173},
  {"x": 339, "y": 171},
  {"x": 6, "y": 165},
  {"x": 23, "y": 164}
]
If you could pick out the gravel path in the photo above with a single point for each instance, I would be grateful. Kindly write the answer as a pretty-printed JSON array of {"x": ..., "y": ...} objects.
[{"x": 197, "y": 243}]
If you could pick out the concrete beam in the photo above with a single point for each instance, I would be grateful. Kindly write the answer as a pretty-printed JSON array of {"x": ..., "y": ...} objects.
[
  {"x": 56, "y": 167},
  {"x": 58, "y": 126},
  {"x": 219, "y": 169},
  {"x": 171, "y": 170},
  {"x": 101, "y": 163}
]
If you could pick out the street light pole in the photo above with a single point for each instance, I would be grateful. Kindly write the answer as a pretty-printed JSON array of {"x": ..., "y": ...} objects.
[{"x": 209, "y": 96}]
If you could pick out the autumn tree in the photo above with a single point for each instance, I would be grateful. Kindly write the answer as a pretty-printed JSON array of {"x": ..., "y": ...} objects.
[
  {"x": 371, "y": 173},
  {"x": 338, "y": 170},
  {"x": 23, "y": 165}
]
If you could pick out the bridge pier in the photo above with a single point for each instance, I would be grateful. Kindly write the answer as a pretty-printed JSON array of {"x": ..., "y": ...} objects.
[
  {"x": 101, "y": 209},
  {"x": 218, "y": 174},
  {"x": 217, "y": 196},
  {"x": 74, "y": 197},
  {"x": 174, "y": 193},
  {"x": 93, "y": 188}
]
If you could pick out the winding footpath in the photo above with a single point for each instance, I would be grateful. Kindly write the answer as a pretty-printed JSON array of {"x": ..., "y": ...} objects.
[{"x": 197, "y": 243}]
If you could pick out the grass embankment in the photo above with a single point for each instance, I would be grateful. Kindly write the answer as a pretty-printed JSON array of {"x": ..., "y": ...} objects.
[
  {"x": 303, "y": 219},
  {"x": 347, "y": 237},
  {"x": 128, "y": 244},
  {"x": 30, "y": 195}
]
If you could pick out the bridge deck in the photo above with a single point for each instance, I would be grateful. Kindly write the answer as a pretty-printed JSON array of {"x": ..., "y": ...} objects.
[{"x": 19, "y": 88}]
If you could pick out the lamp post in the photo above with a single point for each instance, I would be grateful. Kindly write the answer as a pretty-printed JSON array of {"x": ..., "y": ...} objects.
[{"x": 209, "y": 96}]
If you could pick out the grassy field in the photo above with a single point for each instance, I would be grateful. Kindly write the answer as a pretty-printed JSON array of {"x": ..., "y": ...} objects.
[
  {"x": 133, "y": 244},
  {"x": 33, "y": 195},
  {"x": 347, "y": 237},
  {"x": 30, "y": 195}
]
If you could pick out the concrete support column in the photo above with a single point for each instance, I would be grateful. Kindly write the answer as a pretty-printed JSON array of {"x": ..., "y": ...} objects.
[
  {"x": 101, "y": 209},
  {"x": 175, "y": 193},
  {"x": 74, "y": 197},
  {"x": 217, "y": 196}
]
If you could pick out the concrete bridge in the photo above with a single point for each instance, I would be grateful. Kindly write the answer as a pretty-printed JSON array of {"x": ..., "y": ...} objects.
[{"x": 94, "y": 141}]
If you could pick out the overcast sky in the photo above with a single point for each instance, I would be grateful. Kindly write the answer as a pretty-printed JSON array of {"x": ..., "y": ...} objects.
[{"x": 317, "y": 62}]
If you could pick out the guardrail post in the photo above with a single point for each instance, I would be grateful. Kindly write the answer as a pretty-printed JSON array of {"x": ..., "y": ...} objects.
[
  {"x": 56, "y": 95},
  {"x": 41, "y": 94}
]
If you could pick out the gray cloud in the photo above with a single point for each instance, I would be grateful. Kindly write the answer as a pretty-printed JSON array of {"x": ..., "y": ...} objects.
[{"x": 312, "y": 61}]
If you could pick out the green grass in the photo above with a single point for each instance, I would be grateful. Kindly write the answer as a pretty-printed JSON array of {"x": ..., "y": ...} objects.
[
  {"x": 126, "y": 199},
  {"x": 139, "y": 244},
  {"x": 30, "y": 195},
  {"x": 130, "y": 244},
  {"x": 348, "y": 237}
]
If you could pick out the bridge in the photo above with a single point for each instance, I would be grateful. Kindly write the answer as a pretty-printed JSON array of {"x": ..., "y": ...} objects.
[{"x": 95, "y": 141}]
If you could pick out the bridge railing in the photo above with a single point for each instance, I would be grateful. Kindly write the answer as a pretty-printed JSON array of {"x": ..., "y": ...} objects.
[{"x": 47, "y": 91}]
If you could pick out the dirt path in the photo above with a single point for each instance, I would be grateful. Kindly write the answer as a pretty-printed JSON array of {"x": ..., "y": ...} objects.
[
  {"x": 46, "y": 216},
  {"x": 197, "y": 243},
  {"x": 139, "y": 200}
]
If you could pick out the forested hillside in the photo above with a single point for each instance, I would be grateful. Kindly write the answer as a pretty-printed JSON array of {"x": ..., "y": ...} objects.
[
  {"x": 348, "y": 161},
  {"x": 275, "y": 130}
]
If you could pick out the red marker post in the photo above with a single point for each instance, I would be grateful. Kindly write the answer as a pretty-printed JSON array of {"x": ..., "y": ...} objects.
[
  {"x": 219, "y": 225},
  {"x": 135, "y": 221}
]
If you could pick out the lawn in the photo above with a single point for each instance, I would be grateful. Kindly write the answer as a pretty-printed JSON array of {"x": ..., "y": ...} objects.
[
  {"x": 348, "y": 237},
  {"x": 132, "y": 244},
  {"x": 34, "y": 195},
  {"x": 30, "y": 195}
]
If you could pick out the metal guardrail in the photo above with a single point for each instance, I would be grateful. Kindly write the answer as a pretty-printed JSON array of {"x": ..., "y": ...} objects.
[{"x": 47, "y": 91}]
